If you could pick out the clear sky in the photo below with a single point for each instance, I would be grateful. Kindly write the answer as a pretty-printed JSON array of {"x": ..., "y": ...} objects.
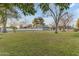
[{"x": 74, "y": 10}]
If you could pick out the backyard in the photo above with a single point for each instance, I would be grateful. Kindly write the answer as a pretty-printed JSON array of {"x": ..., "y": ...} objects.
[{"x": 39, "y": 43}]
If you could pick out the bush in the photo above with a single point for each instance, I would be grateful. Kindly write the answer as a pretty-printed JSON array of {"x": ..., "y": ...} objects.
[
  {"x": 76, "y": 30},
  {"x": 14, "y": 28}
]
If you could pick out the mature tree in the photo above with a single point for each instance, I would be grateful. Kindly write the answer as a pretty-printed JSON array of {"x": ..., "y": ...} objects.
[
  {"x": 56, "y": 11},
  {"x": 38, "y": 22},
  {"x": 66, "y": 20},
  {"x": 7, "y": 10},
  {"x": 4, "y": 9},
  {"x": 77, "y": 24}
]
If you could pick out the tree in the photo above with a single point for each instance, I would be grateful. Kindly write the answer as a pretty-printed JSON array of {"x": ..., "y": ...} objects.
[
  {"x": 66, "y": 20},
  {"x": 25, "y": 8},
  {"x": 38, "y": 22},
  {"x": 77, "y": 24},
  {"x": 3, "y": 12},
  {"x": 6, "y": 10},
  {"x": 56, "y": 11}
]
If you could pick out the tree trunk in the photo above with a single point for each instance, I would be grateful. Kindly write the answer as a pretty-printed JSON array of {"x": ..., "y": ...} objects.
[
  {"x": 64, "y": 27},
  {"x": 4, "y": 27},
  {"x": 14, "y": 29},
  {"x": 4, "y": 24},
  {"x": 56, "y": 29}
]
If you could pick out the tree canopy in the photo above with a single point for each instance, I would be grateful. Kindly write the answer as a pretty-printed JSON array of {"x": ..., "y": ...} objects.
[
  {"x": 56, "y": 12},
  {"x": 38, "y": 22}
]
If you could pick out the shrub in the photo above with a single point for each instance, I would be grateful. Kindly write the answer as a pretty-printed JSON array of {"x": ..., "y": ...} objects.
[{"x": 76, "y": 30}]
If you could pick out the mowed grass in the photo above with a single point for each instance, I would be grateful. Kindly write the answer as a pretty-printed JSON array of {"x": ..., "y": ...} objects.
[{"x": 39, "y": 43}]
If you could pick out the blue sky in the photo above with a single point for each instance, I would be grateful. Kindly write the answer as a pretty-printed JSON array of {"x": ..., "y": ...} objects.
[{"x": 74, "y": 10}]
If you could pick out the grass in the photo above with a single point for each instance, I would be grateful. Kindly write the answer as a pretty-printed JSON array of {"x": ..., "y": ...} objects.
[{"x": 39, "y": 43}]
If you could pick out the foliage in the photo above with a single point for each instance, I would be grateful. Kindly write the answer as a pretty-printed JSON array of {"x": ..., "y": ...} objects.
[
  {"x": 56, "y": 12},
  {"x": 38, "y": 21},
  {"x": 26, "y": 8},
  {"x": 63, "y": 6},
  {"x": 14, "y": 28},
  {"x": 6, "y": 10},
  {"x": 44, "y": 7},
  {"x": 75, "y": 30}
]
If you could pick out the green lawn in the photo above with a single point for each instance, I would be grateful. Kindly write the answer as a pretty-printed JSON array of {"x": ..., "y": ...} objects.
[{"x": 41, "y": 43}]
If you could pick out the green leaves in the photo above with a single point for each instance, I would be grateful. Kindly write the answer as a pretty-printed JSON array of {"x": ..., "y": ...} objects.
[
  {"x": 44, "y": 7},
  {"x": 27, "y": 9},
  {"x": 38, "y": 21},
  {"x": 55, "y": 10},
  {"x": 63, "y": 6}
]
